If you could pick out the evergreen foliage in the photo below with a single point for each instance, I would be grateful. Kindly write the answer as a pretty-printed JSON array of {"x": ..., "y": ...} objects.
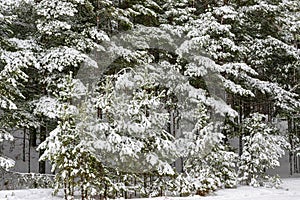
[
  {"x": 262, "y": 149},
  {"x": 208, "y": 163},
  {"x": 128, "y": 87}
]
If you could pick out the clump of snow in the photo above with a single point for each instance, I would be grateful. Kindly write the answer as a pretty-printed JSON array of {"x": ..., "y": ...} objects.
[{"x": 6, "y": 163}]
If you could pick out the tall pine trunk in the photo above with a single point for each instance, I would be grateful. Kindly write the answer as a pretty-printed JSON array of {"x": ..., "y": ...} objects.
[{"x": 42, "y": 164}]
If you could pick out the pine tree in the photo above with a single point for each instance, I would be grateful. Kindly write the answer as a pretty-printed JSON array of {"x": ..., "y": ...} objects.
[
  {"x": 263, "y": 147},
  {"x": 208, "y": 164},
  {"x": 66, "y": 148},
  {"x": 67, "y": 31},
  {"x": 272, "y": 53},
  {"x": 135, "y": 140},
  {"x": 16, "y": 57}
]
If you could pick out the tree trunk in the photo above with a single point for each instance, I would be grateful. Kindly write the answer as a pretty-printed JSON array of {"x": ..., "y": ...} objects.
[
  {"x": 291, "y": 143},
  {"x": 42, "y": 164},
  {"x": 32, "y": 136},
  {"x": 24, "y": 144},
  {"x": 29, "y": 153},
  {"x": 241, "y": 131}
]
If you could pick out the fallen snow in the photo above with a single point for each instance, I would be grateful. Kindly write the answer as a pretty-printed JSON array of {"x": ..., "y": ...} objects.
[
  {"x": 290, "y": 190},
  {"x": 32, "y": 194}
]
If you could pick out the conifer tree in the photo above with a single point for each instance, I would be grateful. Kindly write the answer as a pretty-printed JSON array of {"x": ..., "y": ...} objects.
[
  {"x": 135, "y": 140},
  {"x": 67, "y": 32},
  {"x": 16, "y": 57},
  {"x": 263, "y": 147},
  {"x": 208, "y": 164},
  {"x": 76, "y": 167}
]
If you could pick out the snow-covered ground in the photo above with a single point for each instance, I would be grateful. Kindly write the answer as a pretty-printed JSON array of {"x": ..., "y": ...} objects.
[{"x": 290, "y": 191}]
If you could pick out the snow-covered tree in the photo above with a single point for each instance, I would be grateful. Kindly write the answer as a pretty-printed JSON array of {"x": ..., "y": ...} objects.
[
  {"x": 245, "y": 52},
  {"x": 263, "y": 147},
  {"x": 66, "y": 31},
  {"x": 134, "y": 138},
  {"x": 15, "y": 59},
  {"x": 64, "y": 43},
  {"x": 182, "y": 95},
  {"x": 209, "y": 165},
  {"x": 75, "y": 166}
]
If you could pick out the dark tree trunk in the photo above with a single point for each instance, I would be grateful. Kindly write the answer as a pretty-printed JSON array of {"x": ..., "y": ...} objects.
[
  {"x": 29, "y": 153},
  {"x": 33, "y": 138},
  {"x": 241, "y": 131},
  {"x": 42, "y": 164},
  {"x": 24, "y": 144},
  {"x": 291, "y": 143}
]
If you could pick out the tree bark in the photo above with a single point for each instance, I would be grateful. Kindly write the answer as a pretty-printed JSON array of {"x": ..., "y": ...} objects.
[
  {"x": 32, "y": 136},
  {"x": 241, "y": 131},
  {"x": 29, "y": 153},
  {"x": 42, "y": 164},
  {"x": 291, "y": 143}
]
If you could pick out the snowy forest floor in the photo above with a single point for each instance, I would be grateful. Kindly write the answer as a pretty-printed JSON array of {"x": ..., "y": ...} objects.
[{"x": 290, "y": 190}]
